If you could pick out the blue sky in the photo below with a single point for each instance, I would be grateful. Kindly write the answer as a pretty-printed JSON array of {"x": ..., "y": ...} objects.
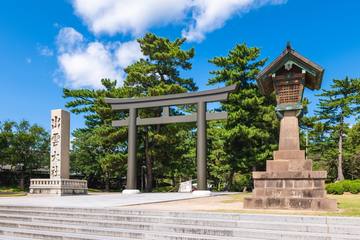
[{"x": 46, "y": 45}]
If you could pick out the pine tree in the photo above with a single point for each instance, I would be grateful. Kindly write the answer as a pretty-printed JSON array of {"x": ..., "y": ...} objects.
[
  {"x": 100, "y": 146},
  {"x": 252, "y": 125},
  {"x": 99, "y": 149},
  {"x": 352, "y": 152},
  {"x": 158, "y": 73},
  {"x": 336, "y": 106}
]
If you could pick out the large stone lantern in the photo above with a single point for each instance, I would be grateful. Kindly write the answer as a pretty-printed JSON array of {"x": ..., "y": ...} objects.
[{"x": 289, "y": 182}]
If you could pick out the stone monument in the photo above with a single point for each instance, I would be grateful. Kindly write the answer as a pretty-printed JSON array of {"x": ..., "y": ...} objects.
[
  {"x": 289, "y": 182},
  {"x": 59, "y": 182}
]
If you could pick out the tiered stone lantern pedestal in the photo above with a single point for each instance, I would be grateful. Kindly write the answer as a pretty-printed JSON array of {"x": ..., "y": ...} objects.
[{"x": 289, "y": 182}]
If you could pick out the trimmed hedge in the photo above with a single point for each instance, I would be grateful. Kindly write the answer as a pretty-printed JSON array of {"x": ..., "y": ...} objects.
[{"x": 340, "y": 187}]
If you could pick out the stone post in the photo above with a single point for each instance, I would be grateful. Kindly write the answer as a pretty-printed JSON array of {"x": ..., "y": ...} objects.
[
  {"x": 60, "y": 144},
  {"x": 59, "y": 182},
  {"x": 289, "y": 131}
]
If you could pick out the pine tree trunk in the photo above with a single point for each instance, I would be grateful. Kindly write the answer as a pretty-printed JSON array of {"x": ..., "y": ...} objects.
[
  {"x": 340, "y": 157},
  {"x": 230, "y": 180},
  {"x": 148, "y": 187},
  {"x": 173, "y": 181},
  {"x": 107, "y": 183},
  {"x": 21, "y": 183}
]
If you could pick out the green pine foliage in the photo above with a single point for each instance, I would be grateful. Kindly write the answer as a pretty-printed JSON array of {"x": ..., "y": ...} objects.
[
  {"x": 252, "y": 127},
  {"x": 99, "y": 150},
  {"x": 335, "y": 107},
  {"x": 158, "y": 73}
]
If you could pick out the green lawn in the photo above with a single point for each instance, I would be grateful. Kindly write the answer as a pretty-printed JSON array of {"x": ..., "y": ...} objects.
[
  {"x": 11, "y": 192},
  {"x": 349, "y": 205}
]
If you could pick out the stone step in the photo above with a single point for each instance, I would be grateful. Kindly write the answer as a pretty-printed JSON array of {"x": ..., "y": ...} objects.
[
  {"x": 53, "y": 223},
  {"x": 3, "y": 237},
  {"x": 149, "y": 223},
  {"x": 119, "y": 214},
  {"x": 22, "y": 234},
  {"x": 245, "y": 235},
  {"x": 147, "y": 231},
  {"x": 54, "y": 233},
  {"x": 130, "y": 233},
  {"x": 96, "y": 212}
]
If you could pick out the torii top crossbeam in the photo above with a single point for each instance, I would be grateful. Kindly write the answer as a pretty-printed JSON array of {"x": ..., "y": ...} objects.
[{"x": 214, "y": 95}]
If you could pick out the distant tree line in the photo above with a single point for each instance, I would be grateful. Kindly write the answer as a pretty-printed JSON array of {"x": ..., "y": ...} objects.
[
  {"x": 236, "y": 147},
  {"x": 24, "y": 149}
]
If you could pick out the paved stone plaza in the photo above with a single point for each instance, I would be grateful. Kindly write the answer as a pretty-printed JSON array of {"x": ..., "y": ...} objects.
[{"x": 95, "y": 200}]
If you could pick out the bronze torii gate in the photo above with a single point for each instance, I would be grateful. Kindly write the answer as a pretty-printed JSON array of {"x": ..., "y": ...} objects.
[{"x": 198, "y": 98}]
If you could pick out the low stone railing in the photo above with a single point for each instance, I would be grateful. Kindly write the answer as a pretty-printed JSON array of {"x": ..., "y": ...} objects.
[{"x": 64, "y": 183}]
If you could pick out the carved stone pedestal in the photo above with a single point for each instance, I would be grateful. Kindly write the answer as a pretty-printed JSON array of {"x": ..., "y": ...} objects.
[{"x": 289, "y": 182}]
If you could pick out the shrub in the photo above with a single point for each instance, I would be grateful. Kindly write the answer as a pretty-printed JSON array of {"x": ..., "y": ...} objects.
[
  {"x": 335, "y": 188},
  {"x": 347, "y": 184},
  {"x": 340, "y": 187},
  {"x": 354, "y": 188},
  {"x": 242, "y": 182}
]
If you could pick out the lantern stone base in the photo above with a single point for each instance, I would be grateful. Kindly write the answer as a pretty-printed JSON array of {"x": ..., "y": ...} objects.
[
  {"x": 290, "y": 184},
  {"x": 58, "y": 186}
]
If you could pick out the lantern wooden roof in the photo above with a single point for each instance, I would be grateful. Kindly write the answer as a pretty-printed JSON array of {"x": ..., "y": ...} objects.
[{"x": 313, "y": 72}]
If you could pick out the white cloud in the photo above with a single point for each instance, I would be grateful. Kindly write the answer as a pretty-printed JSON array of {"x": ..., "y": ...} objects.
[
  {"x": 84, "y": 64},
  {"x": 45, "y": 51},
  {"x": 209, "y": 15},
  {"x": 128, "y": 53},
  {"x": 129, "y": 16},
  {"x": 69, "y": 39},
  {"x": 136, "y": 16},
  {"x": 86, "y": 68}
]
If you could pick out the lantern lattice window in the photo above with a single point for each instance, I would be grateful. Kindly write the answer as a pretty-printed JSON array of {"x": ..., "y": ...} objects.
[{"x": 288, "y": 91}]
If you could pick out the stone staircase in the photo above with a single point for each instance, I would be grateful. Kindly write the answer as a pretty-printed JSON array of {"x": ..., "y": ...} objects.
[{"x": 20, "y": 223}]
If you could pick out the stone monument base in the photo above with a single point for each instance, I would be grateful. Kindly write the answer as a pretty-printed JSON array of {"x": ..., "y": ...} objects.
[
  {"x": 58, "y": 186},
  {"x": 290, "y": 184}
]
